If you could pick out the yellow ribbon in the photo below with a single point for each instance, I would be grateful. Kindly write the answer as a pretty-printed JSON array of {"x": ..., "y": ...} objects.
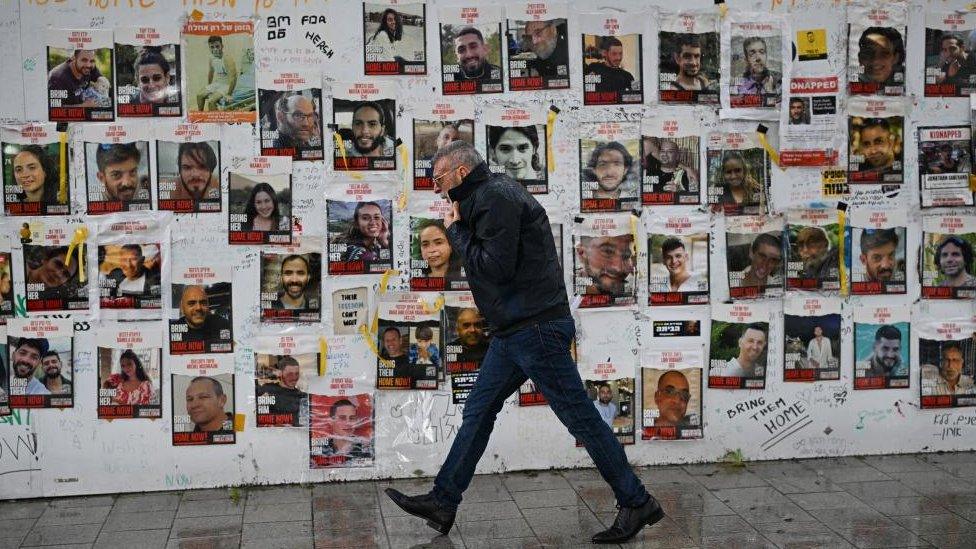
[
  {"x": 78, "y": 241},
  {"x": 428, "y": 309},
  {"x": 407, "y": 180},
  {"x": 323, "y": 355},
  {"x": 367, "y": 337},
  {"x": 842, "y": 222},
  {"x": 723, "y": 10},
  {"x": 341, "y": 147},
  {"x": 550, "y": 125},
  {"x": 63, "y": 168},
  {"x": 633, "y": 232},
  {"x": 385, "y": 280},
  {"x": 773, "y": 154},
  {"x": 972, "y": 182}
]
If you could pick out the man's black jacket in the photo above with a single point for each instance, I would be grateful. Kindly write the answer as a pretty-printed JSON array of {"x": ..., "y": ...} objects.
[{"x": 509, "y": 254}]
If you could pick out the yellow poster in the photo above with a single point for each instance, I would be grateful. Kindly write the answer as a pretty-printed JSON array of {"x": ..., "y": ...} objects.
[{"x": 811, "y": 44}]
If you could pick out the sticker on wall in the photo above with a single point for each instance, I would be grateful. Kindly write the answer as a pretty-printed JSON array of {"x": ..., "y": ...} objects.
[
  {"x": 51, "y": 281},
  {"x": 755, "y": 57},
  {"x": 809, "y": 126},
  {"x": 130, "y": 377},
  {"x": 203, "y": 401},
  {"x": 434, "y": 265},
  {"x": 350, "y": 310},
  {"x": 133, "y": 260}
]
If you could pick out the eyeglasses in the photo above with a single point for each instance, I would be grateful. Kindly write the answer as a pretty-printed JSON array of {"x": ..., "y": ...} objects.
[
  {"x": 302, "y": 117},
  {"x": 683, "y": 394},
  {"x": 154, "y": 78},
  {"x": 436, "y": 177}
]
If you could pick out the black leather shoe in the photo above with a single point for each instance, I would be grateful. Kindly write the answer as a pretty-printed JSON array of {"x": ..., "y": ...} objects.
[
  {"x": 425, "y": 507},
  {"x": 629, "y": 521}
]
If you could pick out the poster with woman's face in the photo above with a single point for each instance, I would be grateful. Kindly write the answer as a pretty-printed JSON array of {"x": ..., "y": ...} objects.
[
  {"x": 738, "y": 173},
  {"x": 394, "y": 38},
  {"x": 148, "y": 74},
  {"x": 360, "y": 236},
  {"x": 116, "y": 168},
  {"x": 52, "y": 281},
  {"x": 516, "y": 141},
  {"x": 434, "y": 266},
  {"x": 188, "y": 167},
  {"x": 130, "y": 371},
  {"x": 259, "y": 210},
  {"x": 32, "y": 164}
]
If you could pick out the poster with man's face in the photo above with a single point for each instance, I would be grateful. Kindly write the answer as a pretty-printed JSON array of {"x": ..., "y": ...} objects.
[
  {"x": 394, "y": 39},
  {"x": 876, "y": 147},
  {"x": 51, "y": 280},
  {"x": 538, "y": 46},
  {"x": 291, "y": 286},
  {"x": 605, "y": 264},
  {"x": 220, "y": 74},
  {"x": 739, "y": 346},
  {"x": 948, "y": 267},
  {"x": 615, "y": 401},
  {"x": 950, "y": 68},
  {"x": 32, "y": 180},
  {"x": 188, "y": 168},
  {"x": 672, "y": 387},
  {"x": 364, "y": 114},
  {"x": 436, "y": 126},
  {"x": 671, "y": 160},
  {"x": 290, "y": 111},
  {"x": 41, "y": 363},
  {"x": 754, "y": 256},
  {"x": 129, "y": 276},
  {"x": 408, "y": 339},
  {"x": 878, "y": 251},
  {"x": 471, "y": 50},
  {"x": 116, "y": 169},
  {"x": 609, "y": 167},
  {"x": 148, "y": 72},
  {"x": 688, "y": 63},
  {"x": 812, "y": 340},
  {"x": 259, "y": 201},
  {"x": 813, "y": 250},
  {"x": 756, "y": 65},
  {"x": 946, "y": 357},
  {"x": 130, "y": 381},
  {"x": 281, "y": 386},
  {"x": 203, "y": 409},
  {"x": 944, "y": 164},
  {"x": 202, "y": 312},
  {"x": 340, "y": 431},
  {"x": 882, "y": 346},
  {"x": 613, "y": 70},
  {"x": 876, "y": 49},
  {"x": 80, "y": 79}
]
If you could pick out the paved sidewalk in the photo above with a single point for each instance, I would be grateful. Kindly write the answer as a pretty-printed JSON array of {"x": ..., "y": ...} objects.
[{"x": 925, "y": 500}]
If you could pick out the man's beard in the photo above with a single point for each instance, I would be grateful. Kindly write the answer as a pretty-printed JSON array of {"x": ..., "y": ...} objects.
[
  {"x": 54, "y": 375},
  {"x": 195, "y": 194},
  {"x": 30, "y": 371},
  {"x": 374, "y": 144},
  {"x": 480, "y": 71},
  {"x": 295, "y": 291}
]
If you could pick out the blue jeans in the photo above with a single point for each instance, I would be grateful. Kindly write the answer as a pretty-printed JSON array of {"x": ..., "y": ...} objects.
[{"x": 541, "y": 353}]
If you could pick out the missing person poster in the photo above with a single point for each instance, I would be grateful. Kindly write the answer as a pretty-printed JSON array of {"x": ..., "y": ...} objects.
[
  {"x": 188, "y": 170},
  {"x": 755, "y": 55},
  {"x": 394, "y": 38},
  {"x": 738, "y": 347},
  {"x": 876, "y": 134},
  {"x": 471, "y": 49},
  {"x": 408, "y": 342},
  {"x": 364, "y": 116},
  {"x": 672, "y": 393},
  {"x": 944, "y": 165},
  {"x": 882, "y": 347},
  {"x": 201, "y": 317},
  {"x": 259, "y": 200},
  {"x": 812, "y": 338},
  {"x": 203, "y": 401},
  {"x": 35, "y": 170},
  {"x": 877, "y": 252},
  {"x": 80, "y": 79},
  {"x": 738, "y": 173},
  {"x": 677, "y": 256},
  {"x": 613, "y": 61},
  {"x": 290, "y": 114},
  {"x": 466, "y": 338},
  {"x": 671, "y": 159},
  {"x": 688, "y": 59},
  {"x": 41, "y": 361},
  {"x": 609, "y": 166},
  {"x": 350, "y": 310},
  {"x": 291, "y": 284},
  {"x": 220, "y": 85},
  {"x": 946, "y": 351},
  {"x": 435, "y": 126},
  {"x": 538, "y": 45},
  {"x": 876, "y": 33},
  {"x": 360, "y": 230},
  {"x": 950, "y": 67},
  {"x": 434, "y": 266},
  {"x": 5, "y": 365},
  {"x": 130, "y": 377},
  {"x": 605, "y": 261},
  {"x": 133, "y": 256},
  {"x": 948, "y": 268},
  {"x": 116, "y": 167},
  {"x": 53, "y": 282},
  {"x": 284, "y": 366},
  {"x": 615, "y": 400},
  {"x": 340, "y": 432},
  {"x": 148, "y": 72},
  {"x": 530, "y": 395},
  {"x": 813, "y": 239},
  {"x": 516, "y": 140},
  {"x": 809, "y": 126},
  {"x": 6, "y": 285},
  {"x": 754, "y": 256}
]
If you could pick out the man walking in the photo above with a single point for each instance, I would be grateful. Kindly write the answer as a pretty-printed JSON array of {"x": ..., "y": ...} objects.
[{"x": 510, "y": 259}]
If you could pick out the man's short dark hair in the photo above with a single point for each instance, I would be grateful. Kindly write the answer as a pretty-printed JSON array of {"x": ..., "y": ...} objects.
[
  {"x": 797, "y": 100},
  {"x": 765, "y": 239},
  {"x": 424, "y": 333},
  {"x": 946, "y": 345},
  {"x": 393, "y": 329},
  {"x": 967, "y": 251},
  {"x": 611, "y": 146},
  {"x": 470, "y": 30},
  {"x": 293, "y": 257},
  {"x": 687, "y": 39},
  {"x": 952, "y": 36},
  {"x": 51, "y": 353},
  {"x": 40, "y": 345},
  {"x": 875, "y": 238},
  {"x": 217, "y": 387},
  {"x": 107, "y": 155},
  {"x": 608, "y": 42},
  {"x": 135, "y": 248},
  {"x": 876, "y": 123},
  {"x": 755, "y": 326},
  {"x": 893, "y": 36},
  {"x": 341, "y": 402},
  {"x": 671, "y": 244},
  {"x": 887, "y": 331},
  {"x": 200, "y": 152},
  {"x": 373, "y": 105},
  {"x": 215, "y": 39},
  {"x": 286, "y": 361},
  {"x": 750, "y": 40}
]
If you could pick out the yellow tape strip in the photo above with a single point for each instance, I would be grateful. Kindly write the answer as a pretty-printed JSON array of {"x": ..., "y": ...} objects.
[
  {"x": 633, "y": 232},
  {"x": 63, "y": 168},
  {"x": 323, "y": 355},
  {"x": 407, "y": 180},
  {"x": 239, "y": 423},
  {"x": 550, "y": 125},
  {"x": 773, "y": 153},
  {"x": 385, "y": 280},
  {"x": 723, "y": 10},
  {"x": 367, "y": 337},
  {"x": 78, "y": 241},
  {"x": 431, "y": 309},
  {"x": 842, "y": 222},
  {"x": 972, "y": 182}
]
